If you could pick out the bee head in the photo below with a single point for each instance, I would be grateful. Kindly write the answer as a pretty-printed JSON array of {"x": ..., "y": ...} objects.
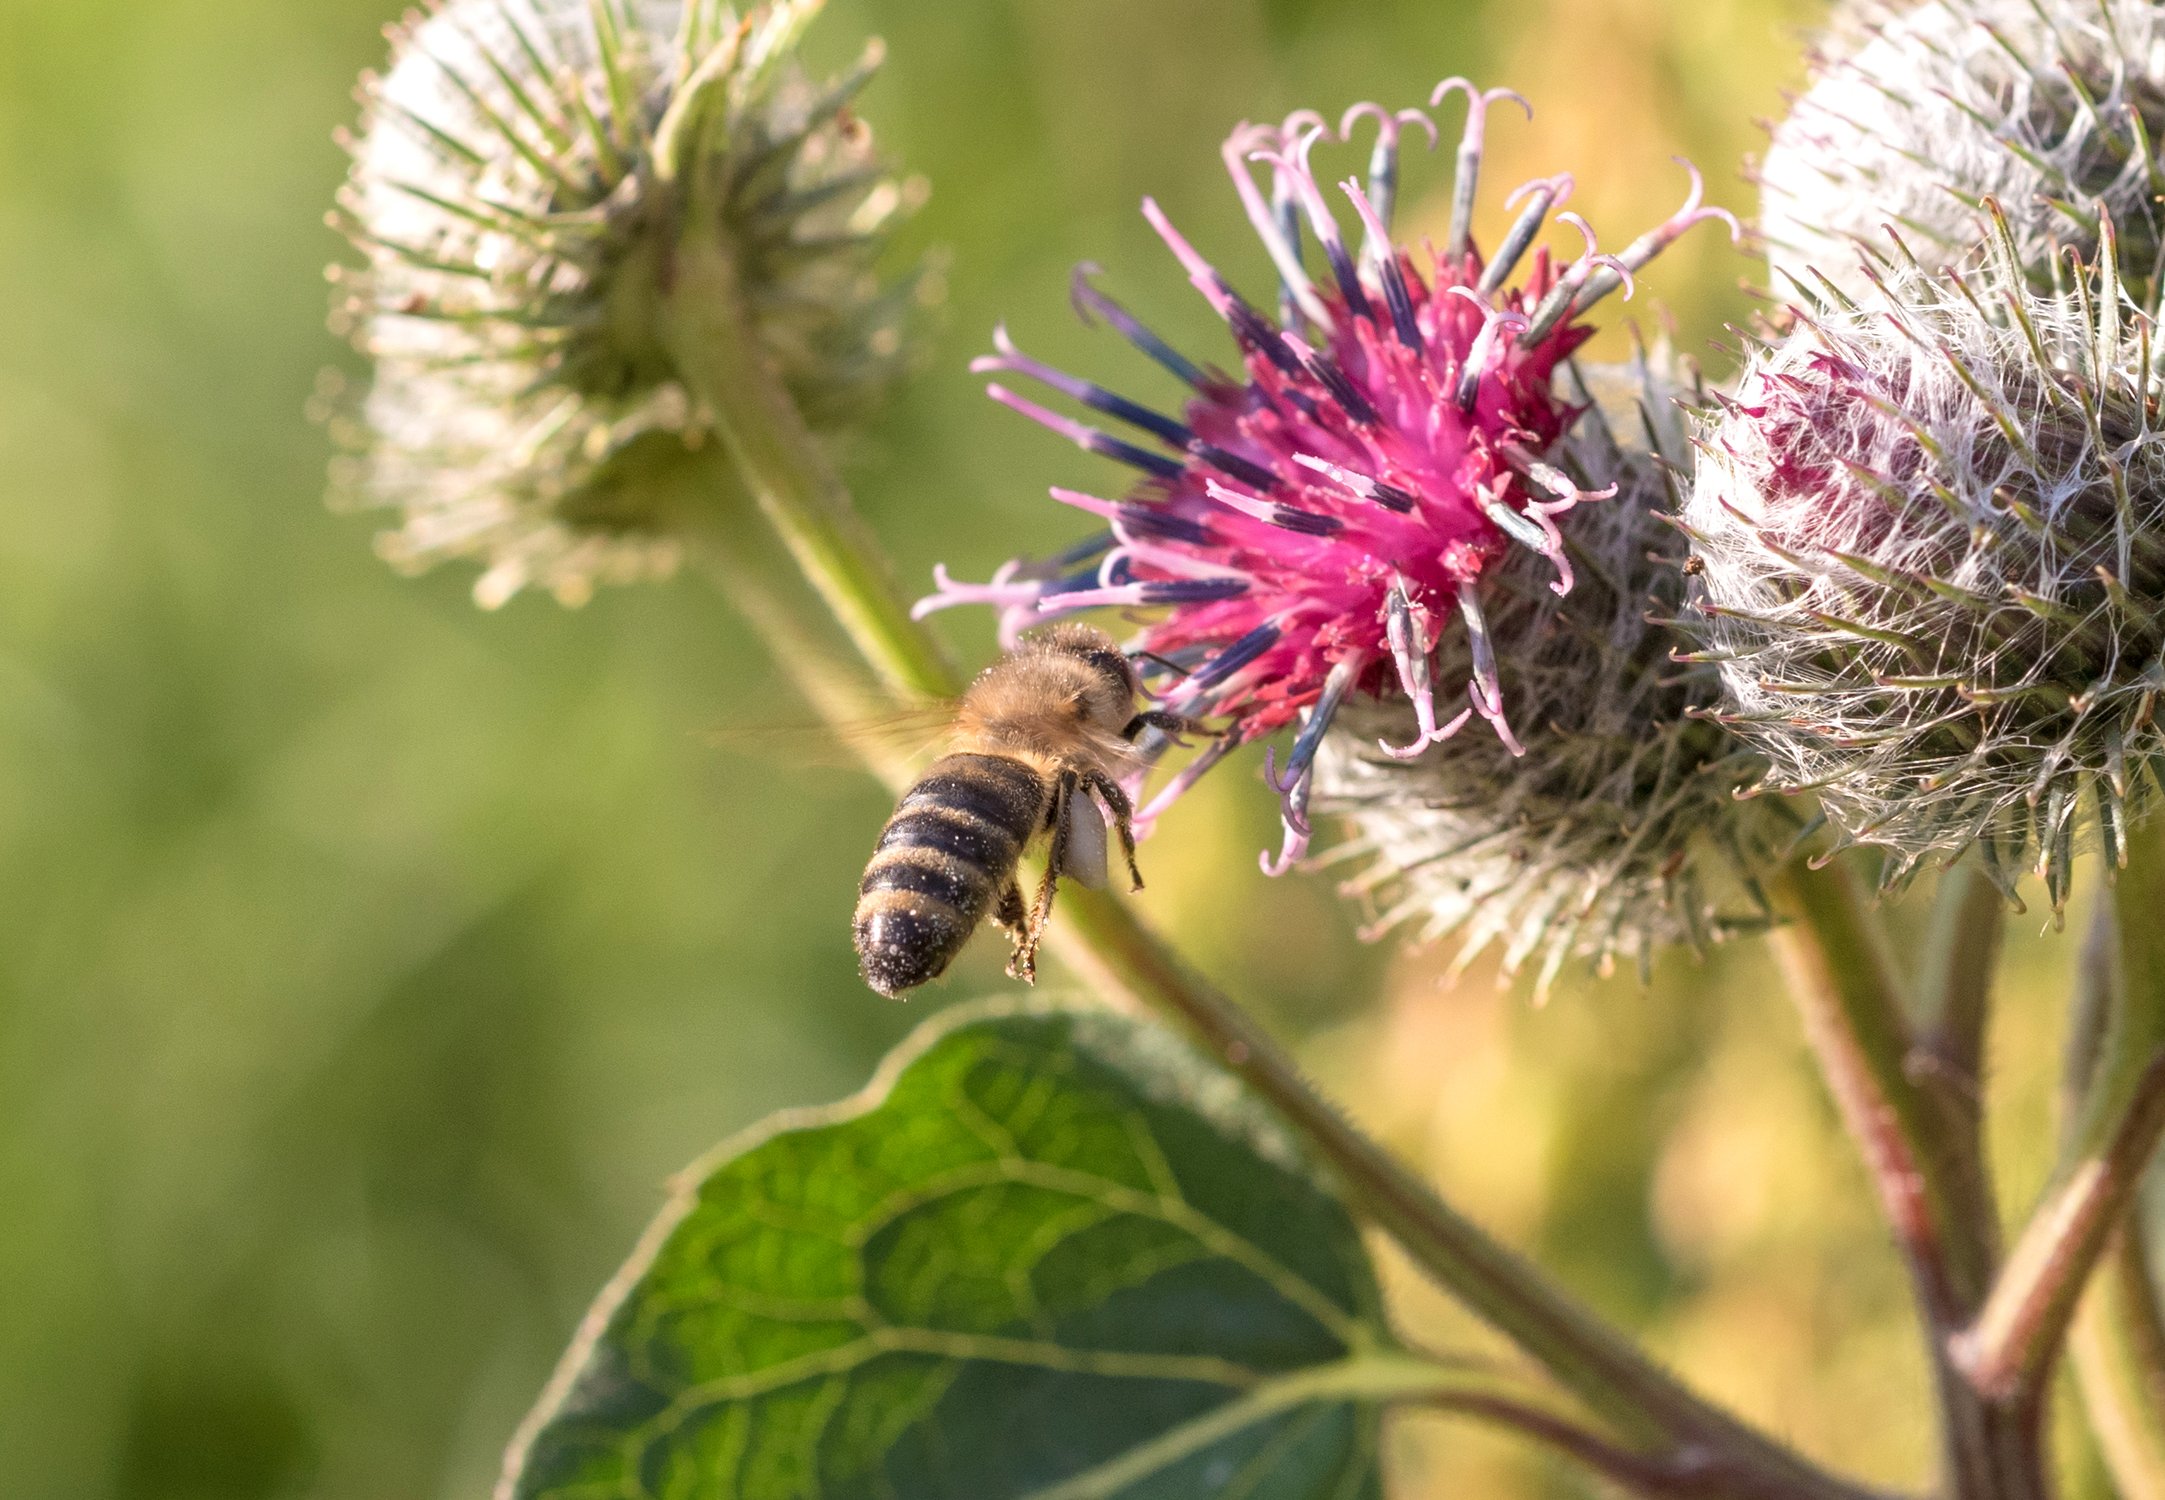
[{"x": 1109, "y": 698}]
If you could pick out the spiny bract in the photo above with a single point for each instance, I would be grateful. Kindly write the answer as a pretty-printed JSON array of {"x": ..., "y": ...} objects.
[
  {"x": 1618, "y": 831},
  {"x": 522, "y": 174},
  {"x": 1918, "y": 114},
  {"x": 1932, "y": 537}
]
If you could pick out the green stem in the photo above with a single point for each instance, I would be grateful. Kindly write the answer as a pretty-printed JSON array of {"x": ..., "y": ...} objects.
[
  {"x": 2115, "y": 1129},
  {"x": 780, "y": 464},
  {"x": 1925, "y": 1158},
  {"x": 1947, "y": 1064},
  {"x": 2118, "y": 1344},
  {"x": 2118, "y": 1340},
  {"x": 1855, "y": 1016}
]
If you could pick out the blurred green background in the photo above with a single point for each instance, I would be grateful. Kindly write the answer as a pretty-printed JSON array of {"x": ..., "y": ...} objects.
[{"x": 367, "y": 962}]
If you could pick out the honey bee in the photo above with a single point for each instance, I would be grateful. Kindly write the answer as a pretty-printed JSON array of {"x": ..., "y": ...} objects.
[{"x": 1041, "y": 739}]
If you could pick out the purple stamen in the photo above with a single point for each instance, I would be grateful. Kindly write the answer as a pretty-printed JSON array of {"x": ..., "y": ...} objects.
[
  {"x": 1087, "y": 550},
  {"x": 1334, "y": 380},
  {"x": 1293, "y": 787},
  {"x": 1486, "y": 688},
  {"x": 1286, "y": 208},
  {"x": 1335, "y": 687},
  {"x": 1493, "y": 321},
  {"x": 1249, "y": 473},
  {"x": 1253, "y": 332},
  {"x": 1562, "y": 300},
  {"x": 1389, "y": 496},
  {"x": 1179, "y": 564},
  {"x": 1383, "y": 163},
  {"x": 1520, "y": 529},
  {"x": 1543, "y": 194},
  {"x": 1470, "y": 145},
  {"x": 1659, "y": 238},
  {"x": 1389, "y": 275},
  {"x": 1133, "y": 517},
  {"x": 1202, "y": 275},
  {"x": 1091, "y": 304},
  {"x": 1248, "y": 143},
  {"x": 1012, "y": 360},
  {"x": 1293, "y": 165},
  {"x": 1306, "y": 522},
  {"x": 1550, "y": 543},
  {"x": 1138, "y": 519},
  {"x": 1088, "y": 438},
  {"x": 1193, "y": 590},
  {"x": 1409, "y": 650},
  {"x": 1243, "y": 651},
  {"x": 1293, "y": 814}
]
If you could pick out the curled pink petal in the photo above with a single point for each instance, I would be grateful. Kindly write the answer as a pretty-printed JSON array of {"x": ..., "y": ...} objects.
[
  {"x": 1558, "y": 187},
  {"x": 1389, "y": 123}
]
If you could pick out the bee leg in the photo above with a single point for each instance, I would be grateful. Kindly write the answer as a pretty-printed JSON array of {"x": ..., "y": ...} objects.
[
  {"x": 1025, "y": 964},
  {"x": 1013, "y": 917},
  {"x": 1011, "y": 913},
  {"x": 1123, "y": 810}
]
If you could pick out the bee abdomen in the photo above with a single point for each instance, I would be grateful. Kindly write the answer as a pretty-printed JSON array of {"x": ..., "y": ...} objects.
[{"x": 941, "y": 864}]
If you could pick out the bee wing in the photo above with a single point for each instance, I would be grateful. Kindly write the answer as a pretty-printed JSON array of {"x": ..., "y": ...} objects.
[
  {"x": 1085, "y": 859},
  {"x": 910, "y": 730}
]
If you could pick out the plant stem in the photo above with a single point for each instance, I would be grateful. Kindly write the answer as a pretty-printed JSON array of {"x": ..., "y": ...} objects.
[
  {"x": 780, "y": 464},
  {"x": 784, "y": 469},
  {"x": 1947, "y": 1063},
  {"x": 1925, "y": 1158},
  {"x": 2017, "y": 1337},
  {"x": 2118, "y": 1344},
  {"x": 1853, "y": 1010},
  {"x": 2118, "y": 1339}
]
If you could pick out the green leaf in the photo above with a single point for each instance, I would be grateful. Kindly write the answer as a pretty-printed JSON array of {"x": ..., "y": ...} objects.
[{"x": 1047, "y": 1254}]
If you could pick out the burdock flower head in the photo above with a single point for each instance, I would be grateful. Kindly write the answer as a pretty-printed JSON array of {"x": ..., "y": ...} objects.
[
  {"x": 1932, "y": 537},
  {"x": 526, "y": 176},
  {"x": 1313, "y": 527},
  {"x": 1618, "y": 831},
  {"x": 1918, "y": 114}
]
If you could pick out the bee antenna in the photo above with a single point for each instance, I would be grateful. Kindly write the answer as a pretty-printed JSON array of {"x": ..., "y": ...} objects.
[{"x": 1170, "y": 665}]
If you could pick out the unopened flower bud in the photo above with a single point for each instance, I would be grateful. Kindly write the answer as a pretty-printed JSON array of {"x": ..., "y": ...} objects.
[
  {"x": 1618, "y": 830},
  {"x": 1918, "y": 114},
  {"x": 523, "y": 176},
  {"x": 1931, "y": 539}
]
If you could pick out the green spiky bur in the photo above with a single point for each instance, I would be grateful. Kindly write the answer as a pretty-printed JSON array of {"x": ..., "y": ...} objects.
[
  {"x": 524, "y": 172},
  {"x": 1918, "y": 114},
  {"x": 1617, "y": 832},
  {"x": 1931, "y": 529}
]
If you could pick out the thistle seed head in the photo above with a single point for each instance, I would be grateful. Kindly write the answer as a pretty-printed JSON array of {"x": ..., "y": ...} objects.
[
  {"x": 1618, "y": 831},
  {"x": 1919, "y": 114},
  {"x": 1930, "y": 533},
  {"x": 522, "y": 174}
]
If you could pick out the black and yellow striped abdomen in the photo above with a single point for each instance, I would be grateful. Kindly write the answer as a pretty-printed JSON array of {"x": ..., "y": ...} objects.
[{"x": 941, "y": 864}]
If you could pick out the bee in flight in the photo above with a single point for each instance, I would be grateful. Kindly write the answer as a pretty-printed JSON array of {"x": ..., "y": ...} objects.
[{"x": 1042, "y": 737}]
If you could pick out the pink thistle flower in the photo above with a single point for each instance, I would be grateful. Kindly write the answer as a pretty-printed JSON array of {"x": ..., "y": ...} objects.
[{"x": 1311, "y": 528}]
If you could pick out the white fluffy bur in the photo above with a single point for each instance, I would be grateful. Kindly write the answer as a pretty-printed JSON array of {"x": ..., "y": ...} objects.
[
  {"x": 1930, "y": 533},
  {"x": 1617, "y": 832},
  {"x": 515, "y": 191},
  {"x": 1917, "y": 114}
]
